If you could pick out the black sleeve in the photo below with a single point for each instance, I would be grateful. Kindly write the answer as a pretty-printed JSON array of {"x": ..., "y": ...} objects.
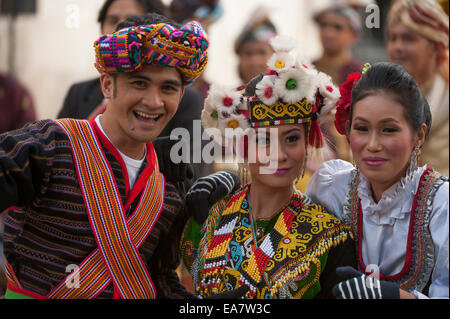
[
  {"x": 26, "y": 157},
  {"x": 343, "y": 254},
  {"x": 189, "y": 110},
  {"x": 166, "y": 258},
  {"x": 68, "y": 108}
]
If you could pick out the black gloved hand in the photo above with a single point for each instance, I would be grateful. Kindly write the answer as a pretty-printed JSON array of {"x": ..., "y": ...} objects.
[
  {"x": 232, "y": 294},
  {"x": 208, "y": 190},
  {"x": 172, "y": 172},
  {"x": 356, "y": 285}
]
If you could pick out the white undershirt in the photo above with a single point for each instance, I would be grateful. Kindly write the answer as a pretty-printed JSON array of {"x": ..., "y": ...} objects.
[{"x": 132, "y": 165}]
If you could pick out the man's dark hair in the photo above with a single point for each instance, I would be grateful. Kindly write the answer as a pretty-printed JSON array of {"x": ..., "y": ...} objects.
[
  {"x": 146, "y": 19},
  {"x": 155, "y": 6}
]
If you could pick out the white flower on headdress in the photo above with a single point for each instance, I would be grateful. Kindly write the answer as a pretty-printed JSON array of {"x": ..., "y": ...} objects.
[
  {"x": 306, "y": 67},
  {"x": 210, "y": 118},
  {"x": 234, "y": 121},
  {"x": 283, "y": 43},
  {"x": 281, "y": 62},
  {"x": 224, "y": 99},
  {"x": 327, "y": 89},
  {"x": 294, "y": 85},
  {"x": 265, "y": 90}
]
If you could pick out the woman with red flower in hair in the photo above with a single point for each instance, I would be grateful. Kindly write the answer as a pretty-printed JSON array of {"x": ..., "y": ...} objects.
[{"x": 398, "y": 210}]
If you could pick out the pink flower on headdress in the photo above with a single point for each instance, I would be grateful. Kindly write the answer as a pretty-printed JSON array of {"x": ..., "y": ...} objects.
[
  {"x": 265, "y": 90},
  {"x": 226, "y": 100},
  {"x": 343, "y": 105}
]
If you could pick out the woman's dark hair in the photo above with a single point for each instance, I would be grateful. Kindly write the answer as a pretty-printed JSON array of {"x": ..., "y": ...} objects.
[
  {"x": 146, "y": 19},
  {"x": 396, "y": 81},
  {"x": 155, "y": 6}
]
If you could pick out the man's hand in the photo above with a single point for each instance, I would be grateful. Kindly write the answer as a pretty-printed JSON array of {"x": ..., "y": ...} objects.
[
  {"x": 356, "y": 285},
  {"x": 208, "y": 190}
]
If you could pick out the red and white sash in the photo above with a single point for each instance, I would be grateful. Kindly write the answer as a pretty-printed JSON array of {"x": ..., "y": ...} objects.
[{"x": 117, "y": 259}]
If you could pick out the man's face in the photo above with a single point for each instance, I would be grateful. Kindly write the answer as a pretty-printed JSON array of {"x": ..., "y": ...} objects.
[
  {"x": 336, "y": 33},
  {"x": 140, "y": 103},
  {"x": 118, "y": 12},
  {"x": 414, "y": 52}
]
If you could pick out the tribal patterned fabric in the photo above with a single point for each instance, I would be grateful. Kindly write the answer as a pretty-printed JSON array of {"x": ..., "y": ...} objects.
[
  {"x": 420, "y": 257},
  {"x": 287, "y": 262},
  {"x": 129, "y": 49},
  {"x": 48, "y": 229},
  {"x": 262, "y": 115}
]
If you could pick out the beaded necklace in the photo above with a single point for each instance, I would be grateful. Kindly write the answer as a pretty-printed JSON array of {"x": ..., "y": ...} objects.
[{"x": 216, "y": 255}]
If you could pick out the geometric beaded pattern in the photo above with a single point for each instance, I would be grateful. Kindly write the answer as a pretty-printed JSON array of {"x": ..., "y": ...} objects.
[
  {"x": 302, "y": 233},
  {"x": 280, "y": 113}
]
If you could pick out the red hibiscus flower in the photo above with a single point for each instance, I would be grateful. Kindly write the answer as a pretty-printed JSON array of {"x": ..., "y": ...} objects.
[{"x": 343, "y": 105}]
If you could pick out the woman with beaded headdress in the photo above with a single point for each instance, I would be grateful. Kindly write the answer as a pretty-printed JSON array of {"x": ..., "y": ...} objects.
[
  {"x": 267, "y": 235},
  {"x": 398, "y": 210}
]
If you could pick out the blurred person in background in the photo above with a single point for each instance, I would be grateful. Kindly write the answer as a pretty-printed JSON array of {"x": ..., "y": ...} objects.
[
  {"x": 85, "y": 99},
  {"x": 339, "y": 28},
  {"x": 417, "y": 39},
  {"x": 252, "y": 45},
  {"x": 16, "y": 104},
  {"x": 204, "y": 11}
]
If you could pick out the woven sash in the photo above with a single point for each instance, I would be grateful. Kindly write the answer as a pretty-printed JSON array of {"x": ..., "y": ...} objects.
[{"x": 116, "y": 259}]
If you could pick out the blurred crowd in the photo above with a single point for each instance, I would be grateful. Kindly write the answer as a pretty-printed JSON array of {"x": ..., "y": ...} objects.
[{"x": 415, "y": 37}]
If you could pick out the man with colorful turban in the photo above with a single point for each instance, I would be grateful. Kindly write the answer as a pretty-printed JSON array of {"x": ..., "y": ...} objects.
[
  {"x": 89, "y": 213},
  {"x": 418, "y": 40}
]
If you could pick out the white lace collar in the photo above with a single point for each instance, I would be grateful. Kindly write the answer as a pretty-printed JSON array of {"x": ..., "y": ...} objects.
[{"x": 396, "y": 201}]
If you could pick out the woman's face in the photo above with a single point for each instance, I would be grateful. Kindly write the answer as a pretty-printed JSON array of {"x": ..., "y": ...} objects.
[
  {"x": 381, "y": 139},
  {"x": 276, "y": 155}
]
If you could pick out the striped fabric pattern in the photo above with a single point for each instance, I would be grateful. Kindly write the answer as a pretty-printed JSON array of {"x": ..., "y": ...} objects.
[
  {"x": 48, "y": 230},
  {"x": 116, "y": 242}
]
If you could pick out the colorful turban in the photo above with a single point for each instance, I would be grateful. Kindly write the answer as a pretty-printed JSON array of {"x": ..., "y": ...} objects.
[
  {"x": 425, "y": 17},
  {"x": 129, "y": 49}
]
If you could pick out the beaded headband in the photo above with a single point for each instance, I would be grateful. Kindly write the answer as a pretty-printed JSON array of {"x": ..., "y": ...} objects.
[
  {"x": 291, "y": 92},
  {"x": 129, "y": 49}
]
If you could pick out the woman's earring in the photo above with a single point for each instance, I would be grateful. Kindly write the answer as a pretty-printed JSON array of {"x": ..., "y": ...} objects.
[
  {"x": 413, "y": 163},
  {"x": 304, "y": 165},
  {"x": 415, "y": 155},
  {"x": 243, "y": 173}
]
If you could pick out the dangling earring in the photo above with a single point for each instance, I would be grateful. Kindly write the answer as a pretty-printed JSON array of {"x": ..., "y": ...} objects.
[
  {"x": 414, "y": 161},
  {"x": 243, "y": 173},
  {"x": 304, "y": 165}
]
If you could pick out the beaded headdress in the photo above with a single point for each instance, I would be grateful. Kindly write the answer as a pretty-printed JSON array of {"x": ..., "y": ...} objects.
[
  {"x": 131, "y": 48},
  {"x": 290, "y": 92}
]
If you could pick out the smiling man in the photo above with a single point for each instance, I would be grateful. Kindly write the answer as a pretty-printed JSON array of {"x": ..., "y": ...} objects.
[{"x": 89, "y": 213}]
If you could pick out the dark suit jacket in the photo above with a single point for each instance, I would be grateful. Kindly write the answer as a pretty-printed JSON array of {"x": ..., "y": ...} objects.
[{"x": 84, "y": 97}]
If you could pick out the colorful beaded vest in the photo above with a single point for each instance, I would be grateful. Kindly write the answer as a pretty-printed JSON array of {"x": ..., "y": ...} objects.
[{"x": 229, "y": 255}]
